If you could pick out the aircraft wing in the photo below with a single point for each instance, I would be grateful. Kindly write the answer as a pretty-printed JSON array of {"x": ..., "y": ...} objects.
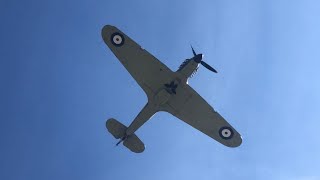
[
  {"x": 191, "y": 108},
  {"x": 147, "y": 70}
]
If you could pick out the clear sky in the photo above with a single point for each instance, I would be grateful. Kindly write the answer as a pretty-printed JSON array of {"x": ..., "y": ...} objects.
[{"x": 60, "y": 82}]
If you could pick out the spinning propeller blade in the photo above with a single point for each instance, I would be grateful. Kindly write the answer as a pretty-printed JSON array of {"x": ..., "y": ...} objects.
[
  {"x": 198, "y": 59},
  {"x": 208, "y": 67},
  {"x": 194, "y": 53}
]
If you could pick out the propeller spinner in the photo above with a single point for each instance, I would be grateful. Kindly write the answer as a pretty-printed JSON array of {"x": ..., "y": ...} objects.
[{"x": 198, "y": 58}]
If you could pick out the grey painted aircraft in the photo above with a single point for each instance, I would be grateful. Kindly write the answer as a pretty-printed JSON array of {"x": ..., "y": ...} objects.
[{"x": 166, "y": 91}]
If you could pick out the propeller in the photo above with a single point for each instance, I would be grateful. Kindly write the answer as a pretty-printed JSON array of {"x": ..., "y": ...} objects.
[{"x": 198, "y": 58}]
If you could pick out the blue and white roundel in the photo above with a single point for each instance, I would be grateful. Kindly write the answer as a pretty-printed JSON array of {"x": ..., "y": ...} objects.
[
  {"x": 117, "y": 39},
  {"x": 226, "y": 133}
]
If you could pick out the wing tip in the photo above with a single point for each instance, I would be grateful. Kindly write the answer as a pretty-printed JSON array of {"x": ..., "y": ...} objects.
[
  {"x": 108, "y": 26},
  {"x": 236, "y": 142},
  {"x": 105, "y": 31}
]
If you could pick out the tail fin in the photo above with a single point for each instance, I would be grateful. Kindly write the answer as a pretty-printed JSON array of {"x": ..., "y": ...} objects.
[{"x": 118, "y": 130}]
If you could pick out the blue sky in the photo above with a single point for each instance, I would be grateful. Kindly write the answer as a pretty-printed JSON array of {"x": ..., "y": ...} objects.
[{"x": 60, "y": 83}]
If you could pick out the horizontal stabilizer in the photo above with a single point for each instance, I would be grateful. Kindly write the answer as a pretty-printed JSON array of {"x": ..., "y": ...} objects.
[
  {"x": 134, "y": 144},
  {"x": 118, "y": 130}
]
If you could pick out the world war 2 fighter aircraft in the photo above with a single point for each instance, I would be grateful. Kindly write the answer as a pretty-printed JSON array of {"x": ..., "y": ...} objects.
[{"x": 166, "y": 91}]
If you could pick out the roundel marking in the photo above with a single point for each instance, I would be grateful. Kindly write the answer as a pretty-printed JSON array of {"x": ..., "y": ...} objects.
[
  {"x": 226, "y": 133},
  {"x": 117, "y": 39}
]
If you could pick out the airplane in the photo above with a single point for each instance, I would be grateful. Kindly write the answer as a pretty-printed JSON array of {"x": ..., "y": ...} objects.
[{"x": 166, "y": 91}]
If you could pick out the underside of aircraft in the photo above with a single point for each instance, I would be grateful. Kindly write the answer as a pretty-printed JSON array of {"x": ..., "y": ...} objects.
[{"x": 166, "y": 91}]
